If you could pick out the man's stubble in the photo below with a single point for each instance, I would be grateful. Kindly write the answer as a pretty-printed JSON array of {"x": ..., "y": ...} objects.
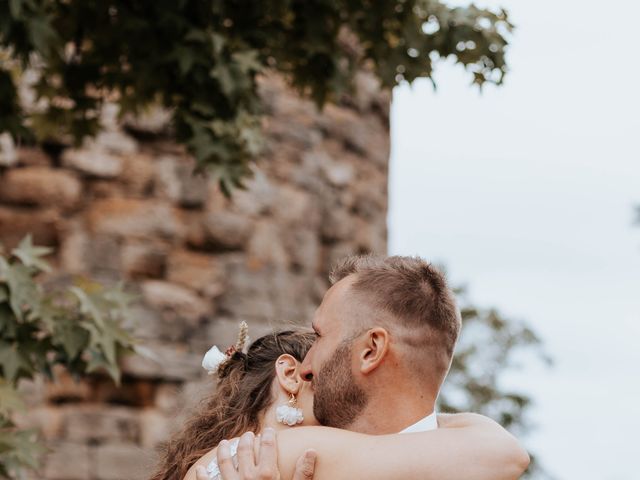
[{"x": 338, "y": 400}]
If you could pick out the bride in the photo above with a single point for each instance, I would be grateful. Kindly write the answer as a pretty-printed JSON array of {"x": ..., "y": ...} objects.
[{"x": 262, "y": 391}]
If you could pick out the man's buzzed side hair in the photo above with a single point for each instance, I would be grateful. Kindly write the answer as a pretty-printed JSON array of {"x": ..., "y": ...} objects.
[{"x": 416, "y": 296}]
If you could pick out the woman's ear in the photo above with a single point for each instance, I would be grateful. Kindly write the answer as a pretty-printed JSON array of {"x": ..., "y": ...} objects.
[
  {"x": 375, "y": 348},
  {"x": 287, "y": 373}
]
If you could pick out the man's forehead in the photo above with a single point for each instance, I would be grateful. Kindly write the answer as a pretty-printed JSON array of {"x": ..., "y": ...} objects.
[{"x": 336, "y": 304}]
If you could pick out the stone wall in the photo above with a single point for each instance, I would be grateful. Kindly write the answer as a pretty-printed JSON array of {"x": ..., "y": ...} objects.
[{"x": 127, "y": 207}]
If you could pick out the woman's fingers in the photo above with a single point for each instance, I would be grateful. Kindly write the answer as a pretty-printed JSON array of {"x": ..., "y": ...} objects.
[
  {"x": 201, "y": 473},
  {"x": 268, "y": 464},
  {"x": 225, "y": 462},
  {"x": 248, "y": 469},
  {"x": 305, "y": 466},
  {"x": 246, "y": 460}
]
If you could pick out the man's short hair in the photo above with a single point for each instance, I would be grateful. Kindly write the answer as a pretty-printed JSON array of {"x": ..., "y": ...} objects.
[{"x": 416, "y": 296}]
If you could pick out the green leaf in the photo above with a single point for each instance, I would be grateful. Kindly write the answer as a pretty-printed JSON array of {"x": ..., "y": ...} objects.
[
  {"x": 73, "y": 339},
  {"x": 44, "y": 37},
  {"x": 24, "y": 293},
  {"x": 30, "y": 256},
  {"x": 8, "y": 322},
  {"x": 13, "y": 361},
  {"x": 19, "y": 449},
  {"x": 15, "y": 8},
  {"x": 98, "y": 362},
  {"x": 4, "y": 293},
  {"x": 120, "y": 298},
  {"x": 185, "y": 58},
  {"x": 247, "y": 61},
  {"x": 10, "y": 400},
  {"x": 87, "y": 306}
]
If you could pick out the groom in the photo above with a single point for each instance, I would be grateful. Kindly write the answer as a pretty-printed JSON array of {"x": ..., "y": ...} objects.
[{"x": 386, "y": 331}]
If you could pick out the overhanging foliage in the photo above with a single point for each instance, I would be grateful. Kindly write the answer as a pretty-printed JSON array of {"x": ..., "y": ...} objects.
[
  {"x": 201, "y": 58},
  {"x": 79, "y": 327}
]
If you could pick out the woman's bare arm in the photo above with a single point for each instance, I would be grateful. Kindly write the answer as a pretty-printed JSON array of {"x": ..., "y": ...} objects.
[{"x": 468, "y": 446}]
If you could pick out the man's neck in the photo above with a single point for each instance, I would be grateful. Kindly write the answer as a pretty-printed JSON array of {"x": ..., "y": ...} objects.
[{"x": 385, "y": 415}]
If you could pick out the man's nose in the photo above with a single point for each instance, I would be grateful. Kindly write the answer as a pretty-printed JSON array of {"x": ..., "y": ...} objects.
[{"x": 305, "y": 370}]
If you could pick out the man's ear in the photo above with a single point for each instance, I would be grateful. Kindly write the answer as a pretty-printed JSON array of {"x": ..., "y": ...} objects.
[
  {"x": 288, "y": 374},
  {"x": 374, "y": 349}
]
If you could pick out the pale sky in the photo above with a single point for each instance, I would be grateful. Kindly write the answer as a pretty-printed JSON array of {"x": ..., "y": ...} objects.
[{"x": 526, "y": 193}]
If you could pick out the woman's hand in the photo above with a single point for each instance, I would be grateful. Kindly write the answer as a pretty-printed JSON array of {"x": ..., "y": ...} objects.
[{"x": 266, "y": 468}]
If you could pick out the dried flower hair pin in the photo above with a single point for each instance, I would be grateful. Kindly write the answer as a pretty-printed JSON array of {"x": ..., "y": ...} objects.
[{"x": 214, "y": 359}]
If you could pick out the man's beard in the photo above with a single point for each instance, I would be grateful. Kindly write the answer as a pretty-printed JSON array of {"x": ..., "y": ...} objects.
[{"x": 337, "y": 400}]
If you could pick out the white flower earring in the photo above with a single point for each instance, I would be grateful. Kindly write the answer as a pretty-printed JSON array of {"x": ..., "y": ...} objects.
[{"x": 288, "y": 413}]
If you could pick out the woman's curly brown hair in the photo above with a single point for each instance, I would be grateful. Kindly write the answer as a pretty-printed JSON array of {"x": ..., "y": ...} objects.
[{"x": 243, "y": 393}]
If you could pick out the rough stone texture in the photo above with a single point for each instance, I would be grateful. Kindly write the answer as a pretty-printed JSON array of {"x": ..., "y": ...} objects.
[
  {"x": 17, "y": 222},
  {"x": 40, "y": 186},
  {"x": 121, "y": 208},
  {"x": 118, "y": 461},
  {"x": 94, "y": 162},
  {"x": 68, "y": 461}
]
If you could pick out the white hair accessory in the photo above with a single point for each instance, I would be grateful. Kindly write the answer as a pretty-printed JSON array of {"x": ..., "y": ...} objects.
[{"x": 213, "y": 359}]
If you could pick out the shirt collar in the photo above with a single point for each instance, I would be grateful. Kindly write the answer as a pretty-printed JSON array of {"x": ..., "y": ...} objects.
[{"x": 430, "y": 422}]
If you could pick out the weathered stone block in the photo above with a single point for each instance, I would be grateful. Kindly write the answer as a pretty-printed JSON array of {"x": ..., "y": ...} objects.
[
  {"x": 98, "y": 188},
  {"x": 364, "y": 135},
  {"x": 370, "y": 197},
  {"x": 93, "y": 162},
  {"x": 247, "y": 295},
  {"x": 338, "y": 174},
  {"x": 337, "y": 224},
  {"x": 167, "y": 398},
  {"x": 138, "y": 174},
  {"x": 120, "y": 461},
  {"x": 33, "y": 156},
  {"x": 114, "y": 141},
  {"x": 296, "y": 208},
  {"x": 46, "y": 420},
  {"x": 303, "y": 247},
  {"x": 16, "y": 223},
  {"x": 222, "y": 230},
  {"x": 197, "y": 271},
  {"x": 68, "y": 461},
  {"x": 168, "y": 362},
  {"x": 98, "y": 423},
  {"x": 64, "y": 388},
  {"x": 371, "y": 237},
  {"x": 40, "y": 186},
  {"x": 33, "y": 391},
  {"x": 136, "y": 218},
  {"x": 266, "y": 246},
  {"x": 257, "y": 198},
  {"x": 176, "y": 299},
  {"x": 155, "y": 427},
  {"x": 177, "y": 181},
  {"x": 144, "y": 259},
  {"x": 132, "y": 392},
  {"x": 74, "y": 245},
  {"x": 104, "y": 257}
]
